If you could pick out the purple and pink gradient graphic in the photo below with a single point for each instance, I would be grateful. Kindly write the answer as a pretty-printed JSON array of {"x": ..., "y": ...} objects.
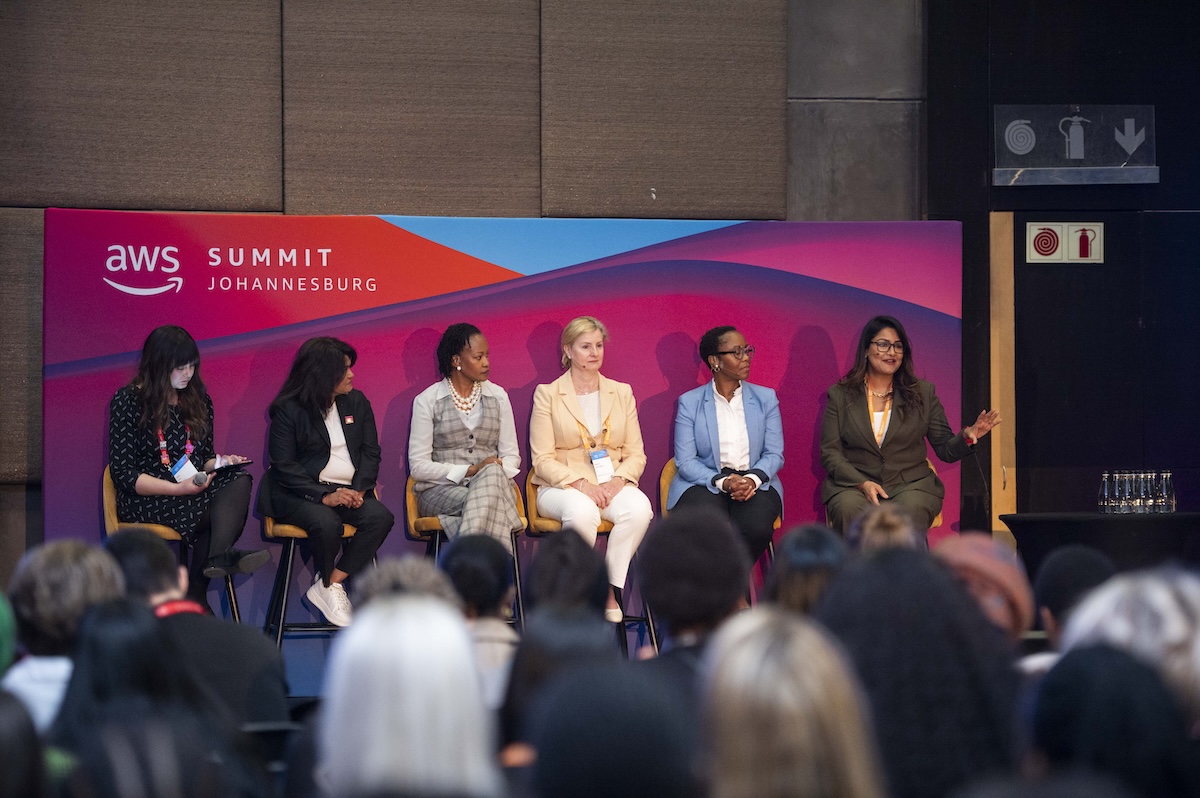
[{"x": 800, "y": 293}]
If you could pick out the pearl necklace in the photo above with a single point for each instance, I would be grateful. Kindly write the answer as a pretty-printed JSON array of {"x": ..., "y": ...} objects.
[{"x": 468, "y": 404}]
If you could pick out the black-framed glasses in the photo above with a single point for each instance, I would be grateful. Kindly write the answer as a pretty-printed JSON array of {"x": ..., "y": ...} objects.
[
  {"x": 883, "y": 347},
  {"x": 740, "y": 353}
]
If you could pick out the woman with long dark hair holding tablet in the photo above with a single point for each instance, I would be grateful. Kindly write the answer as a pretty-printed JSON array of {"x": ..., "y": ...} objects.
[{"x": 163, "y": 465}]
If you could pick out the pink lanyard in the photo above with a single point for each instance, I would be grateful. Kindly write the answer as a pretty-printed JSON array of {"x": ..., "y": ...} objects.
[{"x": 162, "y": 445}]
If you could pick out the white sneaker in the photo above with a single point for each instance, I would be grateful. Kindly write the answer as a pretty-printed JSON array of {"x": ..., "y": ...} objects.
[{"x": 332, "y": 601}]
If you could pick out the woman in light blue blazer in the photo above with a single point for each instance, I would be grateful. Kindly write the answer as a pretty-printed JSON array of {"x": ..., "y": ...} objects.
[{"x": 729, "y": 443}]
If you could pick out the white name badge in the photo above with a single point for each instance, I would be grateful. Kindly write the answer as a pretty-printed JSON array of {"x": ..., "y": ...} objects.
[
  {"x": 183, "y": 470},
  {"x": 603, "y": 465}
]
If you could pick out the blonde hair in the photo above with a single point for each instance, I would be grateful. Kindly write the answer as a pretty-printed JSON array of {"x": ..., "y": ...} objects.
[
  {"x": 785, "y": 715},
  {"x": 580, "y": 325},
  {"x": 403, "y": 709}
]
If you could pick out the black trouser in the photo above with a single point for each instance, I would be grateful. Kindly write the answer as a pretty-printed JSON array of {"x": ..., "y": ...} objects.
[
  {"x": 324, "y": 527},
  {"x": 218, "y": 529},
  {"x": 754, "y": 519}
]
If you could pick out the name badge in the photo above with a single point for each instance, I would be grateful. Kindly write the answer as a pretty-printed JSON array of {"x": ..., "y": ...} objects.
[
  {"x": 183, "y": 470},
  {"x": 603, "y": 465}
]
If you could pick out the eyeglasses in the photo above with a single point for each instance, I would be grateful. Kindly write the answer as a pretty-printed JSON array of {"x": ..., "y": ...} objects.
[
  {"x": 883, "y": 347},
  {"x": 740, "y": 353}
]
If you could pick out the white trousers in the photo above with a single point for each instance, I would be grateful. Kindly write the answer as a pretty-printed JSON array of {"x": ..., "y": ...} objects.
[{"x": 629, "y": 511}]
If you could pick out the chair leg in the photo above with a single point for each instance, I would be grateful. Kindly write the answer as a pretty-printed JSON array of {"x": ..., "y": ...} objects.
[
  {"x": 283, "y": 580},
  {"x": 622, "y": 634},
  {"x": 231, "y": 594},
  {"x": 650, "y": 630},
  {"x": 517, "y": 584}
]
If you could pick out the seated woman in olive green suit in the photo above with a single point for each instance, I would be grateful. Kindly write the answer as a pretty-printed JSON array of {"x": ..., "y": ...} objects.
[{"x": 874, "y": 431}]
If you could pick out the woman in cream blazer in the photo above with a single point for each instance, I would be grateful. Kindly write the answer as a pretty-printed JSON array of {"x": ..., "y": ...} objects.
[{"x": 586, "y": 447}]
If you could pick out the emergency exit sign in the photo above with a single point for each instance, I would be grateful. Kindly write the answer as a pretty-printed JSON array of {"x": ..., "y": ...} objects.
[{"x": 1045, "y": 145}]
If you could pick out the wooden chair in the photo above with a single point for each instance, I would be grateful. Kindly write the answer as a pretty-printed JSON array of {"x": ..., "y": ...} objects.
[
  {"x": 664, "y": 487},
  {"x": 277, "y": 625},
  {"x": 428, "y": 530},
  {"x": 539, "y": 526},
  {"x": 112, "y": 525}
]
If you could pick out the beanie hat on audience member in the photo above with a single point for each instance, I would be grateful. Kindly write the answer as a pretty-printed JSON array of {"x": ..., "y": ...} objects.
[{"x": 986, "y": 564}]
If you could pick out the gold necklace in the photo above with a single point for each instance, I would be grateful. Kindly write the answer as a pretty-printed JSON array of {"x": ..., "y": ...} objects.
[{"x": 884, "y": 395}]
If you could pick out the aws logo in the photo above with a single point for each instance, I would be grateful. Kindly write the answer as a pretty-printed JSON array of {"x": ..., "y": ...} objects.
[{"x": 125, "y": 258}]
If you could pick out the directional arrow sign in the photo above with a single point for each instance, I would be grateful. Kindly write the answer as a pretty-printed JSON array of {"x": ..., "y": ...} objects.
[{"x": 1129, "y": 140}]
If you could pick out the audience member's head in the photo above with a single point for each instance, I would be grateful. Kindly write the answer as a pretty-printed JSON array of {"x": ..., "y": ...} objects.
[
  {"x": 882, "y": 526},
  {"x": 52, "y": 587},
  {"x": 152, "y": 574},
  {"x": 786, "y": 717},
  {"x": 611, "y": 731},
  {"x": 21, "y": 771},
  {"x": 123, "y": 658},
  {"x": 556, "y": 640},
  {"x": 938, "y": 674},
  {"x": 480, "y": 568},
  {"x": 403, "y": 712},
  {"x": 994, "y": 575},
  {"x": 404, "y": 576},
  {"x": 567, "y": 572},
  {"x": 1063, "y": 578},
  {"x": 1154, "y": 615},
  {"x": 1100, "y": 708},
  {"x": 694, "y": 570},
  {"x": 806, "y": 559}
]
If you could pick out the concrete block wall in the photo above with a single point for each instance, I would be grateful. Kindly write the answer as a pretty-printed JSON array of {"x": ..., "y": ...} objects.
[{"x": 760, "y": 109}]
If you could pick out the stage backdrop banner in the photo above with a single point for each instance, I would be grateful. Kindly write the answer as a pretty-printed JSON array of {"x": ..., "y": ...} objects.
[{"x": 252, "y": 288}]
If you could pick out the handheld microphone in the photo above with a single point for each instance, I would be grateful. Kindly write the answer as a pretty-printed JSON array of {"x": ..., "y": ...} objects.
[{"x": 200, "y": 478}]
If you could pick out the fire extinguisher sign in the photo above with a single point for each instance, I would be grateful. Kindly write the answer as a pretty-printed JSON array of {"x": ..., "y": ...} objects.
[{"x": 1064, "y": 242}]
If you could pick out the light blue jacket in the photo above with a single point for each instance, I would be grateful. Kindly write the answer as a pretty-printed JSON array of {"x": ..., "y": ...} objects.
[{"x": 698, "y": 450}]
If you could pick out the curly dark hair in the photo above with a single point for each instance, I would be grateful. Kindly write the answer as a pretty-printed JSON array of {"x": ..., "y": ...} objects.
[
  {"x": 166, "y": 349},
  {"x": 454, "y": 340},
  {"x": 904, "y": 383},
  {"x": 693, "y": 568},
  {"x": 319, "y": 366},
  {"x": 940, "y": 677}
]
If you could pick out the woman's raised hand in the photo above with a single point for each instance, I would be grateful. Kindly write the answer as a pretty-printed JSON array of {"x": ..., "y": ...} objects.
[{"x": 983, "y": 425}]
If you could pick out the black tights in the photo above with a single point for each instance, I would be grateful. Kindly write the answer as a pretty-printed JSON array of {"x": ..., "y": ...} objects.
[{"x": 218, "y": 529}]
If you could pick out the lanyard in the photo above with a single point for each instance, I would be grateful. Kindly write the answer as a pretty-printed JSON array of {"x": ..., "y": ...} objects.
[
  {"x": 588, "y": 440},
  {"x": 178, "y": 606},
  {"x": 162, "y": 445}
]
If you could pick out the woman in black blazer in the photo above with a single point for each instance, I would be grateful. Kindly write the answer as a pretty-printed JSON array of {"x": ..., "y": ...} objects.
[
  {"x": 324, "y": 458},
  {"x": 874, "y": 431}
]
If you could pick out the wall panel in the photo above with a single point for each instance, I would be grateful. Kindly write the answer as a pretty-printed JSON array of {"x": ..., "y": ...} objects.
[
  {"x": 854, "y": 160},
  {"x": 120, "y": 104},
  {"x": 21, "y": 345},
  {"x": 421, "y": 108},
  {"x": 670, "y": 109}
]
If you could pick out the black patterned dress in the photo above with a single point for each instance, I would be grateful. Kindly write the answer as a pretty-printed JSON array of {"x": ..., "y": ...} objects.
[{"x": 133, "y": 450}]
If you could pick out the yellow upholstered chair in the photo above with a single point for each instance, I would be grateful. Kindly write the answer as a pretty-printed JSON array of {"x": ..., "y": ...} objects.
[
  {"x": 112, "y": 524},
  {"x": 539, "y": 526},
  {"x": 428, "y": 530}
]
